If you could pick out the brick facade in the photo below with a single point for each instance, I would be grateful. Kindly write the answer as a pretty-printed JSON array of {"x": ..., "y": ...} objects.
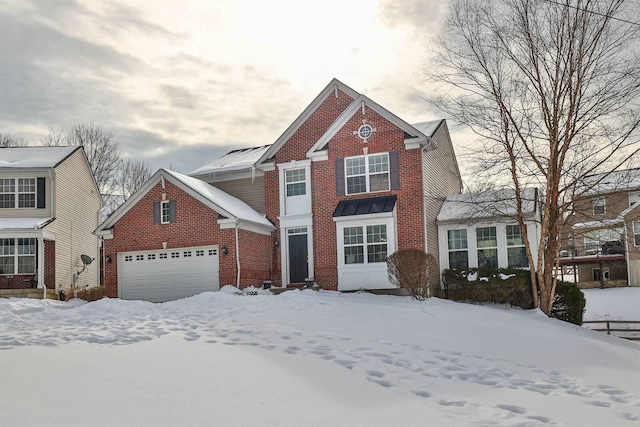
[
  {"x": 195, "y": 225},
  {"x": 387, "y": 137}
]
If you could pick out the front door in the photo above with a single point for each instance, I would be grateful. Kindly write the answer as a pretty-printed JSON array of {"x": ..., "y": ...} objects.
[{"x": 298, "y": 257}]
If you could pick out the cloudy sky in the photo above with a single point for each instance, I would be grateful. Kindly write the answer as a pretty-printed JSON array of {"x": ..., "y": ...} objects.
[{"x": 180, "y": 82}]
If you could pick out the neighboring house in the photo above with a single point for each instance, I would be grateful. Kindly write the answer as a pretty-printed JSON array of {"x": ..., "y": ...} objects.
[
  {"x": 601, "y": 245},
  {"x": 177, "y": 236},
  {"x": 480, "y": 230},
  {"x": 49, "y": 206},
  {"x": 347, "y": 184}
]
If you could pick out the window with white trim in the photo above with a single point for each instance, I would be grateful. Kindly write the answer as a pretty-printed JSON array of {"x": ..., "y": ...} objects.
[
  {"x": 634, "y": 197},
  {"x": 17, "y": 192},
  {"x": 360, "y": 240},
  {"x": 367, "y": 174},
  {"x": 296, "y": 182},
  {"x": 636, "y": 233},
  {"x": 18, "y": 256},
  {"x": 599, "y": 206},
  {"x": 516, "y": 252},
  {"x": 458, "y": 253},
  {"x": 487, "y": 244},
  {"x": 164, "y": 212}
]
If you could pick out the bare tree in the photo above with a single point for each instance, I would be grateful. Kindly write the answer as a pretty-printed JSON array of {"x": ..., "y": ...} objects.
[
  {"x": 7, "y": 140},
  {"x": 53, "y": 138},
  {"x": 133, "y": 174},
  {"x": 103, "y": 153},
  {"x": 552, "y": 89}
]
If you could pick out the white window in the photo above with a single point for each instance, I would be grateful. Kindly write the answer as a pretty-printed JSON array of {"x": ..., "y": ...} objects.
[
  {"x": 634, "y": 197},
  {"x": 357, "y": 244},
  {"x": 164, "y": 212},
  {"x": 516, "y": 252},
  {"x": 599, "y": 206},
  {"x": 487, "y": 244},
  {"x": 367, "y": 174},
  {"x": 18, "y": 256},
  {"x": 296, "y": 182},
  {"x": 458, "y": 254},
  {"x": 606, "y": 241},
  {"x": 20, "y": 192},
  {"x": 636, "y": 233}
]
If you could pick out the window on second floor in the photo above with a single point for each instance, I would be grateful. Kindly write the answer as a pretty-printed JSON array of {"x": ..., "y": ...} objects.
[
  {"x": 295, "y": 182},
  {"x": 634, "y": 197},
  {"x": 367, "y": 174},
  {"x": 636, "y": 233},
  {"x": 17, "y": 192},
  {"x": 164, "y": 212},
  {"x": 599, "y": 206}
]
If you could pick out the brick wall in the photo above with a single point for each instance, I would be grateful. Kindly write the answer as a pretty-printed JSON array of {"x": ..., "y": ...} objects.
[
  {"x": 387, "y": 138},
  {"x": 196, "y": 225}
]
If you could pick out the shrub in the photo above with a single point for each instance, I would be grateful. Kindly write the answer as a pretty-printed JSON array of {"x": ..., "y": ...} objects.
[
  {"x": 501, "y": 286},
  {"x": 414, "y": 270},
  {"x": 93, "y": 293},
  {"x": 568, "y": 304}
]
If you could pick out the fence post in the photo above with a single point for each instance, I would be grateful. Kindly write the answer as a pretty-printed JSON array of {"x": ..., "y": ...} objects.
[{"x": 608, "y": 328}]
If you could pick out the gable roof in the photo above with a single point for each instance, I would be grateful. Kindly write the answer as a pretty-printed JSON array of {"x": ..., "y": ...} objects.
[
  {"x": 487, "y": 204},
  {"x": 224, "y": 204},
  {"x": 333, "y": 86},
  {"x": 235, "y": 160},
  {"x": 34, "y": 157},
  {"x": 412, "y": 135},
  {"x": 622, "y": 180}
]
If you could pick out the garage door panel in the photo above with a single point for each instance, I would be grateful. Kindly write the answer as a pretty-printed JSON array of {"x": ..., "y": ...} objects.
[{"x": 166, "y": 275}]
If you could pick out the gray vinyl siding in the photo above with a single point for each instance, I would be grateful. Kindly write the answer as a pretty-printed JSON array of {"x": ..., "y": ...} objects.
[
  {"x": 30, "y": 212},
  {"x": 440, "y": 178},
  {"x": 249, "y": 191},
  {"x": 76, "y": 210}
]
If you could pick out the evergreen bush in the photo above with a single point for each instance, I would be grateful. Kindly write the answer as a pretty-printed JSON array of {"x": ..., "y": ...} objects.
[{"x": 569, "y": 303}]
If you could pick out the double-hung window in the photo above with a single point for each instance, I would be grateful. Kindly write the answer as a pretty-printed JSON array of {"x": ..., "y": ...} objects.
[
  {"x": 18, "y": 256},
  {"x": 636, "y": 233},
  {"x": 516, "y": 252},
  {"x": 17, "y": 192},
  {"x": 164, "y": 212},
  {"x": 458, "y": 254},
  {"x": 365, "y": 174},
  {"x": 295, "y": 182},
  {"x": 487, "y": 243},
  {"x": 370, "y": 240},
  {"x": 599, "y": 206}
]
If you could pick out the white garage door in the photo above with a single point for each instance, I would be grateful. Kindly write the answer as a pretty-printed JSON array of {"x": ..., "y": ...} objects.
[{"x": 169, "y": 274}]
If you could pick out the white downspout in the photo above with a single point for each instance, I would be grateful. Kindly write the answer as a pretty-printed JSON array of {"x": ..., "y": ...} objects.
[
  {"x": 626, "y": 250},
  {"x": 237, "y": 256}
]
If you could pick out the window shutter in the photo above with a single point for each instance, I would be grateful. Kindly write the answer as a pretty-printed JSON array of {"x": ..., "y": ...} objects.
[
  {"x": 156, "y": 212},
  {"x": 394, "y": 170},
  {"x": 340, "y": 177},
  {"x": 172, "y": 211},
  {"x": 41, "y": 193}
]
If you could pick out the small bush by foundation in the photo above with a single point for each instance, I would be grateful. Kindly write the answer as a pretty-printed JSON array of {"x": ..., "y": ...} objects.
[{"x": 414, "y": 270}]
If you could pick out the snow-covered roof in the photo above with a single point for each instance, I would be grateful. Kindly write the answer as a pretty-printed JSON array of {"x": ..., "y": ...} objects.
[
  {"x": 33, "y": 157},
  {"x": 234, "y": 206},
  {"x": 428, "y": 128},
  {"x": 23, "y": 223},
  {"x": 621, "y": 218},
  {"x": 624, "y": 180},
  {"x": 486, "y": 204},
  {"x": 234, "y": 160}
]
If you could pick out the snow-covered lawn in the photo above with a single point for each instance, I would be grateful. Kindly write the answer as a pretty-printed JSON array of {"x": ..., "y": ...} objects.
[{"x": 308, "y": 358}]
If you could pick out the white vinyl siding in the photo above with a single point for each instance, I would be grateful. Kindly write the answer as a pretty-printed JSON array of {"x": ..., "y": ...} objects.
[{"x": 76, "y": 210}]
